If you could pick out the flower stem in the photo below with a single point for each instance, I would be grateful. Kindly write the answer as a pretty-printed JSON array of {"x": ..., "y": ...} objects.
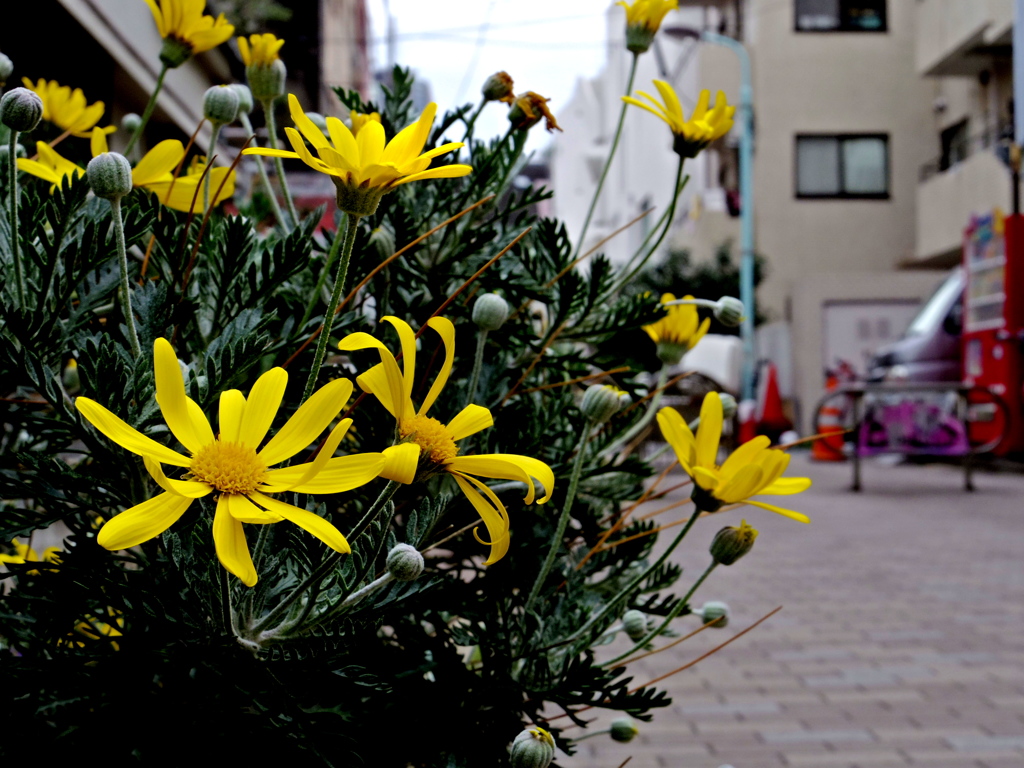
[
  {"x": 12, "y": 164},
  {"x": 268, "y": 112},
  {"x": 672, "y": 614},
  {"x": 382, "y": 499},
  {"x": 366, "y": 591},
  {"x": 339, "y": 286},
  {"x": 563, "y": 521},
  {"x": 148, "y": 111},
  {"x": 209, "y": 159},
  {"x": 478, "y": 362},
  {"x": 608, "y": 162},
  {"x": 315, "y": 296},
  {"x": 471, "y": 123},
  {"x": 122, "y": 255},
  {"x": 262, "y": 169}
]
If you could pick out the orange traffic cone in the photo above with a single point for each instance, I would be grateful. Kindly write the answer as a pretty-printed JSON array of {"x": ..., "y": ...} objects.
[
  {"x": 771, "y": 420},
  {"x": 830, "y": 422}
]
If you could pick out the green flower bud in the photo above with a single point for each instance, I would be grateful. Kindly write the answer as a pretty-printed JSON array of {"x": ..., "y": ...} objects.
[
  {"x": 715, "y": 611},
  {"x": 635, "y": 624},
  {"x": 639, "y": 37},
  {"x": 490, "y": 312},
  {"x": 498, "y": 87},
  {"x": 731, "y": 543},
  {"x": 533, "y": 748},
  {"x": 245, "y": 102},
  {"x": 6, "y": 68},
  {"x": 404, "y": 563},
  {"x": 266, "y": 81},
  {"x": 21, "y": 109},
  {"x": 318, "y": 120},
  {"x": 175, "y": 52},
  {"x": 603, "y": 401},
  {"x": 382, "y": 241},
  {"x": 624, "y": 729},
  {"x": 729, "y": 311},
  {"x": 220, "y": 104},
  {"x": 671, "y": 354},
  {"x": 729, "y": 405},
  {"x": 109, "y": 175},
  {"x": 130, "y": 123}
]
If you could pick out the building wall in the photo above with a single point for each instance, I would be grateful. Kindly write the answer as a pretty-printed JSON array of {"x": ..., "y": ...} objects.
[{"x": 344, "y": 54}]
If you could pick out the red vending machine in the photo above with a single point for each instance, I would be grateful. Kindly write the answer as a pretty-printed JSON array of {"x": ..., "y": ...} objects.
[{"x": 993, "y": 325}]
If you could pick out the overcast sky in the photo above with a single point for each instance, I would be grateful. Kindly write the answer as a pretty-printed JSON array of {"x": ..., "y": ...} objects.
[{"x": 544, "y": 44}]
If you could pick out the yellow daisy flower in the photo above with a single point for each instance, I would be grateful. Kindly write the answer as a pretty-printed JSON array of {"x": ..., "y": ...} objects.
[
  {"x": 366, "y": 167},
  {"x": 752, "y": 469},
  {"x": 180, "y": 193},
  {"x": 261, "y": 50},
  {"x": 50, "y": 166},
  {"x": 23, "y": 553},
  {"x": 430, "y": 447},
  {"x": 67, "y": 109},
  {"x": 704, "y": 125},
  {"x": 231, "y": 464},
  {"x": 643, "y": 18},
  {"x": 185, "y": 30},
  {"x": 678, "y": 331}
]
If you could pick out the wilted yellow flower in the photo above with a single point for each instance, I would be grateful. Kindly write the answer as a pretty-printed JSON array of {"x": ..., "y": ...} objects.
[
  {"x": 67, "y": 109},
  {"x": 366, "y": 167},
  {"x": 678, "y": 331},
  {"x": 185, "y": 30},
  {"x": 643, "y": 18},
  {"x": 229, "y": 465},
  {"x": 752, "y": 469},
  {"x": 704, "y": 125},
  {"x": 261, "y": 50},
  {"x": 430, "y": 447},
  {"x": 527, "y": 110}
]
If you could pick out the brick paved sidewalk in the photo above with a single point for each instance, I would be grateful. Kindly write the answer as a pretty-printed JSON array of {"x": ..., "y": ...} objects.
[{"x": 901, "y": 640}]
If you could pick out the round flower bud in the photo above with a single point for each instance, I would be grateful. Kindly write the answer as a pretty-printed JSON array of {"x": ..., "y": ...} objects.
[
  {"x": 404, "y": 563},
  {"x": 382, "y": 241},
  {"x": 21, "y": 109},
  {"x": 729, "y": 405},
  {"x": 220, "y": 104},
  {"x": 245, "y": 102},
  {"x": 731, "y": 543},
  {"x": 266, "y": 80},
  {"x": 729, "y": 311},
  {"x": 715, "y": 611},
  {"x": 6, "y": 68},
  {"x": 603, "y": 401},
  {"x": 130, "y": 123},
  {"x": 635, "y": 624},
  {"x": 490, "y": 312},
  {"x": 318, "y": 120},
  {"x": 624, "y": 729},
  {"x": 498, "y": 87},
  {"x": 109, "y": 175},
  {"x": 533, "y": 748}
]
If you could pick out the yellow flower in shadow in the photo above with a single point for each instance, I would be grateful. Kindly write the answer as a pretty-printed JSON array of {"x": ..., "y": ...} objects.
[
  {"x": 678, "y": 331},
  {"x": 23, "y": 553},
  {"x": 66, "y": 108},
  {"x": 185, "y": 30},
  {"x": 232, "y": 464},
  {"x": 261, "y": 50},
  {"x": 430, "y": 447},
  {"x": 704, "y": 126},
  {"x": 753, "y": 469}
]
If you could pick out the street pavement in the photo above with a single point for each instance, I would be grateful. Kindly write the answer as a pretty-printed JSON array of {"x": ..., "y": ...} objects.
[{"x": 900, "y": 641}]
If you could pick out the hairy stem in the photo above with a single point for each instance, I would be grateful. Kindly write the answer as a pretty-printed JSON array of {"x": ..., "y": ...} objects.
[
  {"x": 148, "y": 112},
  {"x": 209, "y": 159},
  {"x": 261, "y": 168},
  {"x": 268, "y": 111},
  {"x": 12, "y": 165},
  {"x": 478, "y": 361},
  {"x": 122, "y": 257}
]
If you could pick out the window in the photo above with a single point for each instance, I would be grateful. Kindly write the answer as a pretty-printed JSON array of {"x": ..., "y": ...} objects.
[
  {"x": 846, "y": 166},
  {"x": 840, "y": 15}
]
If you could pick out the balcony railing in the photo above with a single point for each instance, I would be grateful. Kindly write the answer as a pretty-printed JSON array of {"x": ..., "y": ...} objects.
[{"x": 996, "y": 139}]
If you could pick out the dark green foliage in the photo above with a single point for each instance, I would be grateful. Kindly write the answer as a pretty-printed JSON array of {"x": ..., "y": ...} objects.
[{"x": 441, "y": 671}]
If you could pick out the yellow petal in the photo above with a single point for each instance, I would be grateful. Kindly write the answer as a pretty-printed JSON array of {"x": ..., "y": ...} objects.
[
  {"x": 210, "y": 38},
  {"x": 306, "y": 424},
  {"x": 668, "y": 96},
  {"x": 158, "y": 162},
  {"x": 677, "y": 433},
  {"x": 444, "y": 172},
  {"x": 268, "y": 152},
  {"x": 706, "y": 478},
  {"x": 127, "y": 437},
  {"x": 391, "y": 384},
  {"x": 230, "y": 544},
  {"x": 344, "y": 141},
  {"x": 340, "y": 474},
  {"x": 745, "y": 454},
  {"x": 261, "y": 406},
  {"x": 98, "y": 142},
  {"x": 799, "y": 517},
  {"x": 170, "y": 396},
  {"x": 446, "y": 330},
  {"x": 39, "y": 170},
  {"x": 370, "y": 141},
  {"x": 408, "y": 342},
  {"x": 142, "y": 522},
  {"x": 244, "y": 511},
  {"x": 469, "y": 421},
  {"x": 742, "y": 485},
  {"x": 786, "y": 486},
  {"x": 306, "y": 126},
  {"x": 493, "y": 514},
  {"x": 158, "y": 17},
  {"x": 312, "y": 469},
  {"x": 401, "y": 462},
  {"x": 243, "y": 50},
  {"x": 710, "y": 430},
  {"x": 232, "y": 407},
  {"x": 509, "y": 466},
  {"x": 306, "y": 520},
  {"x": 189, "y": 488}
]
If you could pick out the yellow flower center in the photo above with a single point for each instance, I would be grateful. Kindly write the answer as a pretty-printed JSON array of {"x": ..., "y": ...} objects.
[
  {"x": 432, "y": 436},
  {"x": 228, "y": 467}
]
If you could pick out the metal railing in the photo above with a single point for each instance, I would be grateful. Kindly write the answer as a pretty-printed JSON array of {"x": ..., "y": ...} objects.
[{"x": 995, "y": 138}]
